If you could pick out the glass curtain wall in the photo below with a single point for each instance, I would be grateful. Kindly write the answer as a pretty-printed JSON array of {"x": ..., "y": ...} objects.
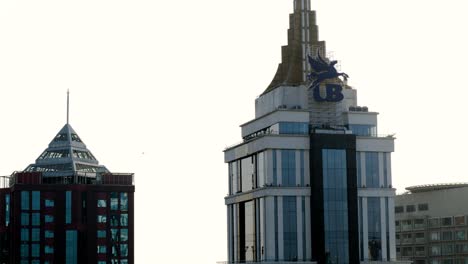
[
  {"x": 335, "y": 205},
  {"x": 290, "y": 228},
  {"x": 374, "y": 228},
  {"x": 372, "y": 169},
  {"x": 288, "y": 168}
]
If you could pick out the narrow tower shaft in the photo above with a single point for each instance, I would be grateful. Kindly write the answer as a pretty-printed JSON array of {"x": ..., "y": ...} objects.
[{"x": 302, "y": 40}]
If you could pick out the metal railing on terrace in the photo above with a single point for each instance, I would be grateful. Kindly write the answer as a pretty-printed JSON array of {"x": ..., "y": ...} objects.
[
  {"x": 266, "y": 262},
  {"x": 73, "y": 178},
  {"x": 313, "y": 129}
]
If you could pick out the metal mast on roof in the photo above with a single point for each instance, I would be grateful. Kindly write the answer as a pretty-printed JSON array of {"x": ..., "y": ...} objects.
[{"x": 68, "y": 104}]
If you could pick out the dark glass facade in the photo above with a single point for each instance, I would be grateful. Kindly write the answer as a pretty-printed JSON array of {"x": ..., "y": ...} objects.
[
  {"x": 363, "y": 130},
  {"x": 54, "y": 223},
  {"x": 335, "y": 229},
  {"x": 335, "y": 205},
  {"x": 290, "y": 228},
  {"x": 374, "y": 228}
]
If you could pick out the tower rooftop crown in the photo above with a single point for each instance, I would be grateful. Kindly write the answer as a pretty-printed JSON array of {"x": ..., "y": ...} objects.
[
  {"x": 302, "y": 40},
  {"x": 66, "y": 155}
]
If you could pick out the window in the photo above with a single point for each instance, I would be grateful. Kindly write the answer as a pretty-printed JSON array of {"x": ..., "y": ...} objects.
[
  {"x": 68, "y": 207},
  {"x": 419, "y": 224},
  {"x": 123, "y": 235},
  {"x": 101, "y": 249},
  {"x": 434, "y": 222},
  {"x": 7, "y": 209},
  {"x": 114, "y": 203},
  {"x": 24, "y": 250},
  {"x": 399, "y": 209},
  {"x": 372, "y": 169},
  {"x": 407, "y": 252},
  {"x": 101, "y": 219},
  {"x": 423, "y": 207},
  {"x": 36, "y": 219},
  {"x": 460, "y": 235},
  {"x": 24, "y": 219},
  {"x": 461, "y": 248},
  {"x": 288, "y": 167},
  {"x": 420, "y": 251},
  {"x": 247, "y": 173},
  {"x": 334, "y": 172},
  {"x": 123, "y": 201},
  {"x": 124, "y": 219},
  {"x": 447, "y": 249},
  {"x": 36, "y": 200},
  {"x": 406, "y": 225},
  {"x": 49, "y": 218},
  {"x": 447, "y": 235},
  {"x": 124, "y": 250},
  {"x": 48, "y": 249},
  {"x": 293, "y": 128},
  {"x": 410, "y": 208},
  {"x": 115, "y": 235},
  {"x": 35, "y": 250},
  {"x": 435, "y": 250},
  {"x": 114, "y": 220},
  {"x": 407, "y": 238},
  {"x": 101, "y": 233},
  {"x": 101, "y": 203},
  {"x": 459, "y": 220},
  {"x": 24, "y": 234},
  {"x": 71, "y": 247},
  {"x": 419, "y": 237},
  {"x": 35, "y": 234},
  {"x": 435, "y": 236},
  {"x": 49, "y": 234},
  {"x": 24, "y": 200},
  {"x": 447, "y": 221},
  {"x": 49, "y": 203},
  {"x": 363, "y": 130}
]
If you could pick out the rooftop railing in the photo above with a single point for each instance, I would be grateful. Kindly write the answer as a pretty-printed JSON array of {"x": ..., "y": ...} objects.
[
  {"x": 267, "y": 262},
  {"x": 73, "y": 178}
]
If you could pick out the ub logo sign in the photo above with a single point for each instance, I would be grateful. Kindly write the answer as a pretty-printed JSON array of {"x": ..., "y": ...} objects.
[
  {"x": 323, "y": 70},
  {"x": 333, "y": 93}
]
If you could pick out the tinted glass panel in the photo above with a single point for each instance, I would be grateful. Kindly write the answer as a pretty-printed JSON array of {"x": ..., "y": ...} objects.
[{"x": 335, "y": 204}]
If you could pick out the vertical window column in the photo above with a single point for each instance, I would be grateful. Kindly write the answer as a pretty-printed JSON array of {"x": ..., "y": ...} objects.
[
  {"x": 71, "y": 247},
  {"x": 374, "y": 229},
  {"x": 372, "y": 170},
  {"x": 68, "y": 207},
  {"x": 335, "y": 205}
]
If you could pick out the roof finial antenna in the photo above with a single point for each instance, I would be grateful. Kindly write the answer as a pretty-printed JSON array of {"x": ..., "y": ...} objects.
[{"x": 68, "y": 104}]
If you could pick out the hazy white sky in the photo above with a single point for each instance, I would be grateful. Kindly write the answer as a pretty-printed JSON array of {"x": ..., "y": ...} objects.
[{"x": 159, "y": 88}]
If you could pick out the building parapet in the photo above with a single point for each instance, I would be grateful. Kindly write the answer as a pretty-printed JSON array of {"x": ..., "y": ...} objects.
[
  {"x": 267, "y": 262},
  {"x": 126, "y": 179}
]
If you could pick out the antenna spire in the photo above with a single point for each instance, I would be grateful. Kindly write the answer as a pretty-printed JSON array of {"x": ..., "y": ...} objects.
[{"x": 68, "y": 104}]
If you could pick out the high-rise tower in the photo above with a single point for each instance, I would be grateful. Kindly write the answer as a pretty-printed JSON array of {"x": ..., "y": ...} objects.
[
  {"x": 311, "y": 182},
  {"x": 66, "y": 208}
]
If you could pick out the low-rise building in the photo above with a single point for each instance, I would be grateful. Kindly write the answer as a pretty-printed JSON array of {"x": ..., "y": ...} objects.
[{"x": 431, "y": 224}]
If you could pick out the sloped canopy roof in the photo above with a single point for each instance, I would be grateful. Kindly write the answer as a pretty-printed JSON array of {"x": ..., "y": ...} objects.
[{"x": 66, "y": 155}]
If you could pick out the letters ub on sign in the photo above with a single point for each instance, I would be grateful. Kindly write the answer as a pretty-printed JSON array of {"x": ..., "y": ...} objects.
[{"x": 331, "y": 93}]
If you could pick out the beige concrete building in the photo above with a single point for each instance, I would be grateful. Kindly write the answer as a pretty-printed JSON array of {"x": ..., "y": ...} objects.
[{"x": 431, "y": 224}]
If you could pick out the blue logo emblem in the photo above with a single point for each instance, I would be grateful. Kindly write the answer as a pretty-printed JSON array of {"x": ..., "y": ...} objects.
[
  {"x": 323, "y": 70},
  {"x": 333, "y": 93}
]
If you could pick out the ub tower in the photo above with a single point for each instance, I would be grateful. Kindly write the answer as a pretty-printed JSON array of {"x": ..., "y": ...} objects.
[{"x": 311, "y": 181}]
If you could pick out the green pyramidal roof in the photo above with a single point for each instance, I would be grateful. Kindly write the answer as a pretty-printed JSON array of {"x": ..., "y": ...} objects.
[{"x": 65, "y": 156}]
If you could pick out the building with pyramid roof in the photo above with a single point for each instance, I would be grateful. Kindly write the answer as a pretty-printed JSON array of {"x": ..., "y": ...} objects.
[
  {"x": 311, "y": 181},
  {"x": 67, "y": 208}
]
